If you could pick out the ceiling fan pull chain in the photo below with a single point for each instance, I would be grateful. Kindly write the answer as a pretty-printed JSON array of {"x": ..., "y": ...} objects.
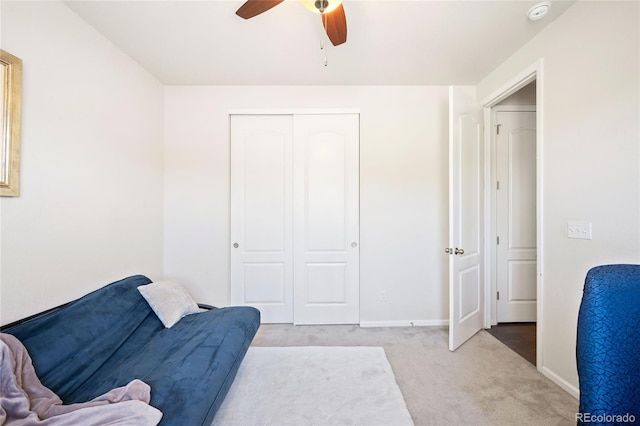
[
  {"x": 324, "y": 34},
  {"x": 325, "y": 57}
]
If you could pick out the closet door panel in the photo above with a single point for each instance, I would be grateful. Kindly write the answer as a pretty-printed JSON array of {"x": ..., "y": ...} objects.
[
  {"x": 325, "y": 192},
  {"x": 265, "y": 192},
  {"x": 261, "y": 215},
  {"x": 326, "y": 224}
]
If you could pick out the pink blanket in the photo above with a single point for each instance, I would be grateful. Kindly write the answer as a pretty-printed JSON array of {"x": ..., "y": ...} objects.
[{"x": 25, "y": 401}]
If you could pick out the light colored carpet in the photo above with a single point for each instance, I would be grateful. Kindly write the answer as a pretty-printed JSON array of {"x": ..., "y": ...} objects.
[
  {"x": 314, "y": 386},
  {"x": 482, "y": 383}
]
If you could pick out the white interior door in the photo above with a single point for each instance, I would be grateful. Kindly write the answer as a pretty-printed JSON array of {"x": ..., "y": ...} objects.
[
  {"x": 466, "y": 276},
  {"x": 262, "y": 215},
  {"x": 326, "y": 219},
  {"x": 516, "y": 216}
]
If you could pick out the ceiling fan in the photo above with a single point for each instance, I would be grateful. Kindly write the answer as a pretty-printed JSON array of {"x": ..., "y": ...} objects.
[{"x": 331, "y": 12}]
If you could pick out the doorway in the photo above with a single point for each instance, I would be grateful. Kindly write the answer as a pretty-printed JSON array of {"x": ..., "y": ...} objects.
[
  {"x": 514, "y": 219},
  {"x": 514, "y": 147}
]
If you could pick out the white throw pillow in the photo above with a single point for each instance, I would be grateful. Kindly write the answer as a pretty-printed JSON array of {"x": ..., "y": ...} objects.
[{"x": 169, "y": 300}]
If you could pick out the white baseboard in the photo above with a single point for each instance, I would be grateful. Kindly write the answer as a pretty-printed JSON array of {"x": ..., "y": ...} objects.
[
  {"x": 404, "y": 323},
  {"x": 568, "y": 387}
]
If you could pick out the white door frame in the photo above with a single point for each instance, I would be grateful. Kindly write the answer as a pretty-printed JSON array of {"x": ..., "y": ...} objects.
[{"x": 531, "y": 73}]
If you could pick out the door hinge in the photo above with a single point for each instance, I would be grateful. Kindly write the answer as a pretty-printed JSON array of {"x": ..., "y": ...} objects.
[
  {"x": 498, "y": 295},
  {"x": 498, "y": 129},
  {"x": 498, "y": 185},
  {"x": 498, "y": 240}
]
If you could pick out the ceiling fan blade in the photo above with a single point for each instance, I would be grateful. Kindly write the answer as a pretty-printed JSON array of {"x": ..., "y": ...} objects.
[
  {"x": 335, "y": 24},
  {"x": 253, "y": 8}
]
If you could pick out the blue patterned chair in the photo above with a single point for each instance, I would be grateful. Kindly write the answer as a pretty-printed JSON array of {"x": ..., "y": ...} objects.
[{"x": 608, "y": 346}]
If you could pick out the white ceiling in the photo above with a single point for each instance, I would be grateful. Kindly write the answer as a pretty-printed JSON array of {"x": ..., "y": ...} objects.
[{"x": 390, "y": 42}]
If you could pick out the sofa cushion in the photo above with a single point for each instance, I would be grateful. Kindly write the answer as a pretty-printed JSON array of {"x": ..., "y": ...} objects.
[
  {"x": 70, "y": 344},
  {"x": 189, "y": 366},
  {"x": 169, "y": 300}
]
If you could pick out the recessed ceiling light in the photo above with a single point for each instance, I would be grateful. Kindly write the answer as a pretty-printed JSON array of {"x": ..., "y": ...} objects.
[{"x": 539, "y": 10}]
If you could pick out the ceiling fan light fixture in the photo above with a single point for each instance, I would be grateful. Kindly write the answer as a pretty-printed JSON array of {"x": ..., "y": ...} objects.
[
  {"x": 331, "y": 12},
  {"x": 538, "y": 11},
  {"x": 321, "y": 6}
]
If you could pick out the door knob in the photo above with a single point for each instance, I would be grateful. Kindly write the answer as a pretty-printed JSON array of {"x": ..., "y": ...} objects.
[
  {"x": 354, "y": 244},
  {"x": 448, "y": 250},
  {"x": 236, "y": 245},
  {"x": 458, "y": 251}
]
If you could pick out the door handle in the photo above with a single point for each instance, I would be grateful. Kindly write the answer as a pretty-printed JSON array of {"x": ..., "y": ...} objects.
[
  {"x": 458, "y": 251},
  {"x": 448, "y": 250},
  {"x": 236, "y": 245}
]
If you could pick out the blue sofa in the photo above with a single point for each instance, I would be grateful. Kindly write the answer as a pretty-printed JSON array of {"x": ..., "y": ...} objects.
[
  {"x": 608, "y": 346},
  {"x": 111, "y": 336}
]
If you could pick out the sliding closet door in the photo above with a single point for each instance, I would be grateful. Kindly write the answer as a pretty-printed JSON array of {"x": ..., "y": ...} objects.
[
  {"x": 326, "y": 219},
  {"x": 261, "y": 215}
]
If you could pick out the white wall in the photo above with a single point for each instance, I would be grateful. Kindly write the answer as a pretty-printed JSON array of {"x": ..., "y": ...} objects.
[
  {"x": 90, "y": 209},
  {"x": 403, "y": 187},
  {"x": 591, "y": 124}
]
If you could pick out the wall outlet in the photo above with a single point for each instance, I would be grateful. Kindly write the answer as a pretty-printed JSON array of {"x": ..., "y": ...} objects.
[{"x": 579, "y": 229}]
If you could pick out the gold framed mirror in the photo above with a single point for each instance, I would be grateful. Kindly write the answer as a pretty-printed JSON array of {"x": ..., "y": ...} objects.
[{"x": 10, "y": 93}]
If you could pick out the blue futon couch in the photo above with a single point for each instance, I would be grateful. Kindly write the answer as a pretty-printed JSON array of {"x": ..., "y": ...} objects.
[
  {"x": 608, "y": 346},
  {"x": 111, "y": 336}
]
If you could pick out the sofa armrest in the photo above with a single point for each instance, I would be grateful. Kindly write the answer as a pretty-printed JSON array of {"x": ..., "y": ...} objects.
[{"x": 205, "y": 306}]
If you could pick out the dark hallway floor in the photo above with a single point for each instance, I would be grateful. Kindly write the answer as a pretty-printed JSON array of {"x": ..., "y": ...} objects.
[{"x": 519, "y": 336}]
